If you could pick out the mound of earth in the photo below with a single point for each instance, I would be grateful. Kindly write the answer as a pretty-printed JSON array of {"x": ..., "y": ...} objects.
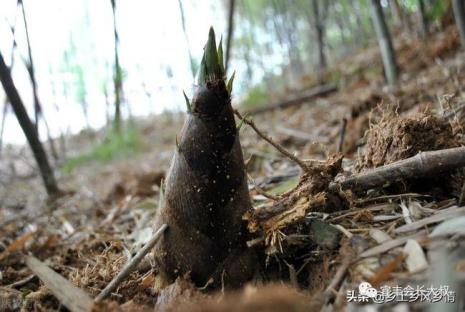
[{"x": 395, "y": 138}]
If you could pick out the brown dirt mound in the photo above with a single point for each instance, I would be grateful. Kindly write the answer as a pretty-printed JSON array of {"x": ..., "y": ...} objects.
[{"x": 396, "y": 138}]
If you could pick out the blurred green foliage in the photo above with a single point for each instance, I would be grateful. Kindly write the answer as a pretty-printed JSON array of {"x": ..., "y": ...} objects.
[
  {"x": 115, "y": 145},
  {"x": 438, "y": 8},
  {"x": 284, "y": 186},
  {"x": 255, "y": 97}
]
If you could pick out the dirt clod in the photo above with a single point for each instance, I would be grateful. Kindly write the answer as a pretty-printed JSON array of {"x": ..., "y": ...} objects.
[{"x": 396, "y": 138}]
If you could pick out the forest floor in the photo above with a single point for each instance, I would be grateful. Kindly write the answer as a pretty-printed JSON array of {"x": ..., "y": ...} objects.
[{"x": 387, "y": 235}]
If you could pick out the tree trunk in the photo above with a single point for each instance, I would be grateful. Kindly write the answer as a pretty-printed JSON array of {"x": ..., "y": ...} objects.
[
  {"x": 322, "y": 64},
  {"x": 38, "y": 112},
  {"x": 423, "y": 18},
  {"x": 232, "y": 6},
  {"x": 250, "y": 29},
  {"x": 296, "y": 61},
  {"x": 361, "y": 35},
  {"x": 117, "y": 79},
  {"x": 6, "y": 102},
  {"x": 57, "y": 109},
  {"x": 397, "y": 12},
  {"x": 30, "y": 69},
  {"x": 317, "y": 22},
  {"x": 385, "y": 42},
  {"x": 286, "y": 33},
  {"x": 2, "y": 126},
  {"x": 276, "y": 26},
  {"x": 342, "y": 28},
  {"x": 459, "y": 14},
  {"x": 401, "y": 18},
  {"x": 28, "y": 129}
]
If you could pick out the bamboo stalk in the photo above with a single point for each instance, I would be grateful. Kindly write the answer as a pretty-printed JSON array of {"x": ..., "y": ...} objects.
[{"x": 206, "y": 188}]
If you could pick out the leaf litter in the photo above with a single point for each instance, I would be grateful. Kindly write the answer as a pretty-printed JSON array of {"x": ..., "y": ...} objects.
[{"x": 316, "y": 236}]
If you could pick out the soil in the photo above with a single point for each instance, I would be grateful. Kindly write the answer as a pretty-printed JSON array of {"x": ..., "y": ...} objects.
[{"x": 108, "y": 212}]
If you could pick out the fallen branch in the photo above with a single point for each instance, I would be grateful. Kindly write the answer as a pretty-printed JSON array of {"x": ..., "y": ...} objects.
[
  {"x": 303, "y": 97},
  {"x": 341, "y": 272},
  {"x": 421, "y": 165},
  {"x": 131, "y": 265},
  {"x": 75, "y": 299}
]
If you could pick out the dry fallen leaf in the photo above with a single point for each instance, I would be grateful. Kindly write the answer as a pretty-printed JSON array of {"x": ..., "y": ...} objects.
[
  {"x": 147, "y": 281},
  {"x": 384, "y": 273},
  {"x": 415, "y": 257},
  {"x": 379, "y": 236},
  {"x": 17, "y": 244}
]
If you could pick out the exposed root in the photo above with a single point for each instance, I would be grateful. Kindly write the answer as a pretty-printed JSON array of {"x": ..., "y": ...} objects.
[{"x": 310, "y": 195}]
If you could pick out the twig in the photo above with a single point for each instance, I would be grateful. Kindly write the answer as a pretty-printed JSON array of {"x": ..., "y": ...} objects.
[
  {"x": 75, "y": 299},
  {"x": 21, "y": 282},
  {"x": 438, "y": 217},
  {"x": 344, "y": 231},
  {"x": 420, "y": 165},
  {"x": 307, "y": 95},
  {"x": 262, "y": 191},
  {"x": 340, "y": 273},
  {"x": 342, "y": 135},
  {"x": 389, "y": 198},
  {"x": 278, "y": 146},
  {"x": 131, "y": 265},
  {"x": 455, "y": 111},
  {"x": 336, "y": 216}
]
